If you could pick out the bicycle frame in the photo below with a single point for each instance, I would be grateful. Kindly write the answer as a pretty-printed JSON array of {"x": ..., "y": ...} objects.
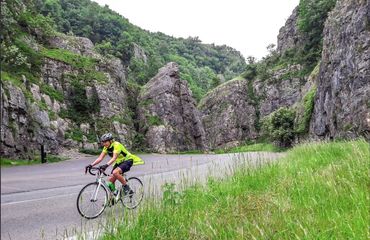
[{"x": 101, "y": 182}]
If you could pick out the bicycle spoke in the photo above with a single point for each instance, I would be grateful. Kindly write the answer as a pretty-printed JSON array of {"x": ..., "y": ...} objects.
[{"x": 91, "y": 201}]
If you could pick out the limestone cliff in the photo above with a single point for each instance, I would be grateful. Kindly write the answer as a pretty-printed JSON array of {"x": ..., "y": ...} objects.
[
  {"x": 343, "y": 95},
  {"x": 168, "y": 116},
  {"x": 228, "y": 115},
  {"x": 75, "y": 99}
]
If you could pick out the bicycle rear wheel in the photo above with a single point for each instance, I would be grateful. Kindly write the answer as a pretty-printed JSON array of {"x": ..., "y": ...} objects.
[
  {"x": 92, "y": 200},
  {"x": 132, "y": 200}
]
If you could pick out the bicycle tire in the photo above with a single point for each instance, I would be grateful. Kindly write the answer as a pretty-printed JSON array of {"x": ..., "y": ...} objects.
[
  {"x": 131, "y": 201},
  {"x": 100, "y": 203}
]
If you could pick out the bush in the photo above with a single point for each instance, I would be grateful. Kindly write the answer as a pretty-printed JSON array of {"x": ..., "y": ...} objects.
[{"x": 279, "y": 127}]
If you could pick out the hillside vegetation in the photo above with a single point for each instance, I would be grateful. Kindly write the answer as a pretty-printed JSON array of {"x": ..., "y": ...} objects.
[
  {"x": 203, "y": 65},
  {"x": 318, "y": 191}
]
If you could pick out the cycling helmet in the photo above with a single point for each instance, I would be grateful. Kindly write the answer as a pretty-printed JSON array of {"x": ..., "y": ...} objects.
[{"x": 106, "y": 137}]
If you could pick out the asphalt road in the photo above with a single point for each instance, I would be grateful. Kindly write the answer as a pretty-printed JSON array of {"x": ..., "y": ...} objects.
[{"x": 39, "y": 201}]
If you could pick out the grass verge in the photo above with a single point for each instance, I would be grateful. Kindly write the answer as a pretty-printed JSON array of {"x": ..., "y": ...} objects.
[
  {"x": 257, "y": 147},
  {"x": 6, "y": 162},
  {"x": 318, "y": 191}
]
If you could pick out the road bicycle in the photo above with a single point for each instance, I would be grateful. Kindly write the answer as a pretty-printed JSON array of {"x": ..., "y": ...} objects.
[{"x": 96, "y": 196}]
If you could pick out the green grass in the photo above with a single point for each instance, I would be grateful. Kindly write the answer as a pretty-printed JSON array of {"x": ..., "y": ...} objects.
[
  {"x": 257, "y": 147},
  {"x": 191, "y": 152},
  {"x": 90, "y": 151},
  {"x": 6, "y": 162},
  {"x": 54, "y": 94},
  {"x": 318, "y": 191},
  {"x": 73, "y": 59},
  {"x": 154, "y": 120}
]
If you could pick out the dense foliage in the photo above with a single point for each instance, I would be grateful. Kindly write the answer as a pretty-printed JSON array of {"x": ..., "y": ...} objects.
[
  {"x": 202, "y": 65},
  {"x": 279, "y": 127},
  {"x": 311, "y": 20}
]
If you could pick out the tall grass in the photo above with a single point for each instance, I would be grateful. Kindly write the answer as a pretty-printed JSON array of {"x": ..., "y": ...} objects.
[
  {"x": 318, "y": 191},
  {"x": 256, "y": 147}
]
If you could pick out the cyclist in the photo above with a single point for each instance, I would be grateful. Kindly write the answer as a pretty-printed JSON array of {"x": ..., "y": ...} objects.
[{"x": 122, "y": 159}]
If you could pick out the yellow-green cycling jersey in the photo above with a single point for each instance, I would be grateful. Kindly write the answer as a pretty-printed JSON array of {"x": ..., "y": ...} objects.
[{"x": 123, "y": 154}]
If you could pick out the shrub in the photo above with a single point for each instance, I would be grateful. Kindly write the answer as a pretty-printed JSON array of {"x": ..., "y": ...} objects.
[{"x": 279, "y": 127}]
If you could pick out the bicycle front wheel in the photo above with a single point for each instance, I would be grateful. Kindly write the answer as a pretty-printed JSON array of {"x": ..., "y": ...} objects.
[
  {"x": 92, "y": 200},
  {"x": 133, "y": 199}
]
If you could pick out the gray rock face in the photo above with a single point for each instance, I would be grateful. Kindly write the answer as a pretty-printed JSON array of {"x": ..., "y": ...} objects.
[
  {"x": 29, "y": 122},
  {"x": 289, "y": 36},
  {"x": 78, "y": 45},
  {"x": 232, "y": 111},
  {"x": 13, "y": 120},
  {"x": 343, "y": 97},
  {"x": 228, "y": 115},
  {"x": 276, "y": 92},
  {"x": 139, "y": 53},
  {"x": 24, "y": 127},
  {"x": 168, "y": 115}
]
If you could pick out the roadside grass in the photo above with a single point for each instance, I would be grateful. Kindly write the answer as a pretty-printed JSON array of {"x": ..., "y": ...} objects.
[
  {"x": 6, "y": 162},
  {"x": 90, "y": 151},
  {"x": 318, "y": 191},
  {"x": 256, "y": 147}
]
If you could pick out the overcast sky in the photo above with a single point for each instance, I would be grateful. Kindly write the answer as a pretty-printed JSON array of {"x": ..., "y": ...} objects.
[{"x": 249, "y": 26}]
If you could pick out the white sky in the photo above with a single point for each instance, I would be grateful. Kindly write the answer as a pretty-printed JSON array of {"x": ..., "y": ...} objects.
[{"x": 249, "y": 26}]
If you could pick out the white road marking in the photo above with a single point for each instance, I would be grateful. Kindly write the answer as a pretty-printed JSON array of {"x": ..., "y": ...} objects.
[{"x": 37, "y": 199}]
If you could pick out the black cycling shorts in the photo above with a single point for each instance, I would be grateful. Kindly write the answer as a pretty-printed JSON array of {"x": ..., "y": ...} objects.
[{"x": 124, "y": 166}]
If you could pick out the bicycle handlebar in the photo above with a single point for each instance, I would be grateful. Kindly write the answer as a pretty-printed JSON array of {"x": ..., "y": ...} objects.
[{"x": 92, "y": 171}]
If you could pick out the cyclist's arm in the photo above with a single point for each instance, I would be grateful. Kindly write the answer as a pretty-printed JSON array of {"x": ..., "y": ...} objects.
[
  {"x": 99, "y": 159},
  {"x": 113, "y": 159}
]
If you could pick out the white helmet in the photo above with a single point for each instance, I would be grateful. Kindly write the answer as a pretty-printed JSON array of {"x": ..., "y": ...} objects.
[{"x": 106, "y": 137}]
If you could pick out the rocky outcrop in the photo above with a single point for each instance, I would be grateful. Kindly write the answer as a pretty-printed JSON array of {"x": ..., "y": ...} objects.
[
  {"x": 139, "y": 53},
  {"x": 280, "y": 90},
  {"x": 24, "y": 126},
  {"x": 289, "y": 36},
  {"x": 228, "y": 115},
  {"x": 167, "y": 113},
  {"x": 110, "y": 92},
  {"x": 232, "y": 112},
  {"x": 78, "y": 45},
  {"x": 35, "y": 113},
  {"x": 342, "y": 101}
]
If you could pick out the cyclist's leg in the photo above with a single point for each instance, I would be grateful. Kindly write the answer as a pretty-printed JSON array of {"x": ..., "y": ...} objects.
[
  {"x": 112, "y": 178},
  {"x": 117, "y": 174},
  {"x": 122, "y": 168}
]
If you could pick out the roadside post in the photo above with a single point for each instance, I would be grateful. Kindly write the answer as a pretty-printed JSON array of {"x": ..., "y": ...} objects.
[{"x": 43, "y": 154}]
